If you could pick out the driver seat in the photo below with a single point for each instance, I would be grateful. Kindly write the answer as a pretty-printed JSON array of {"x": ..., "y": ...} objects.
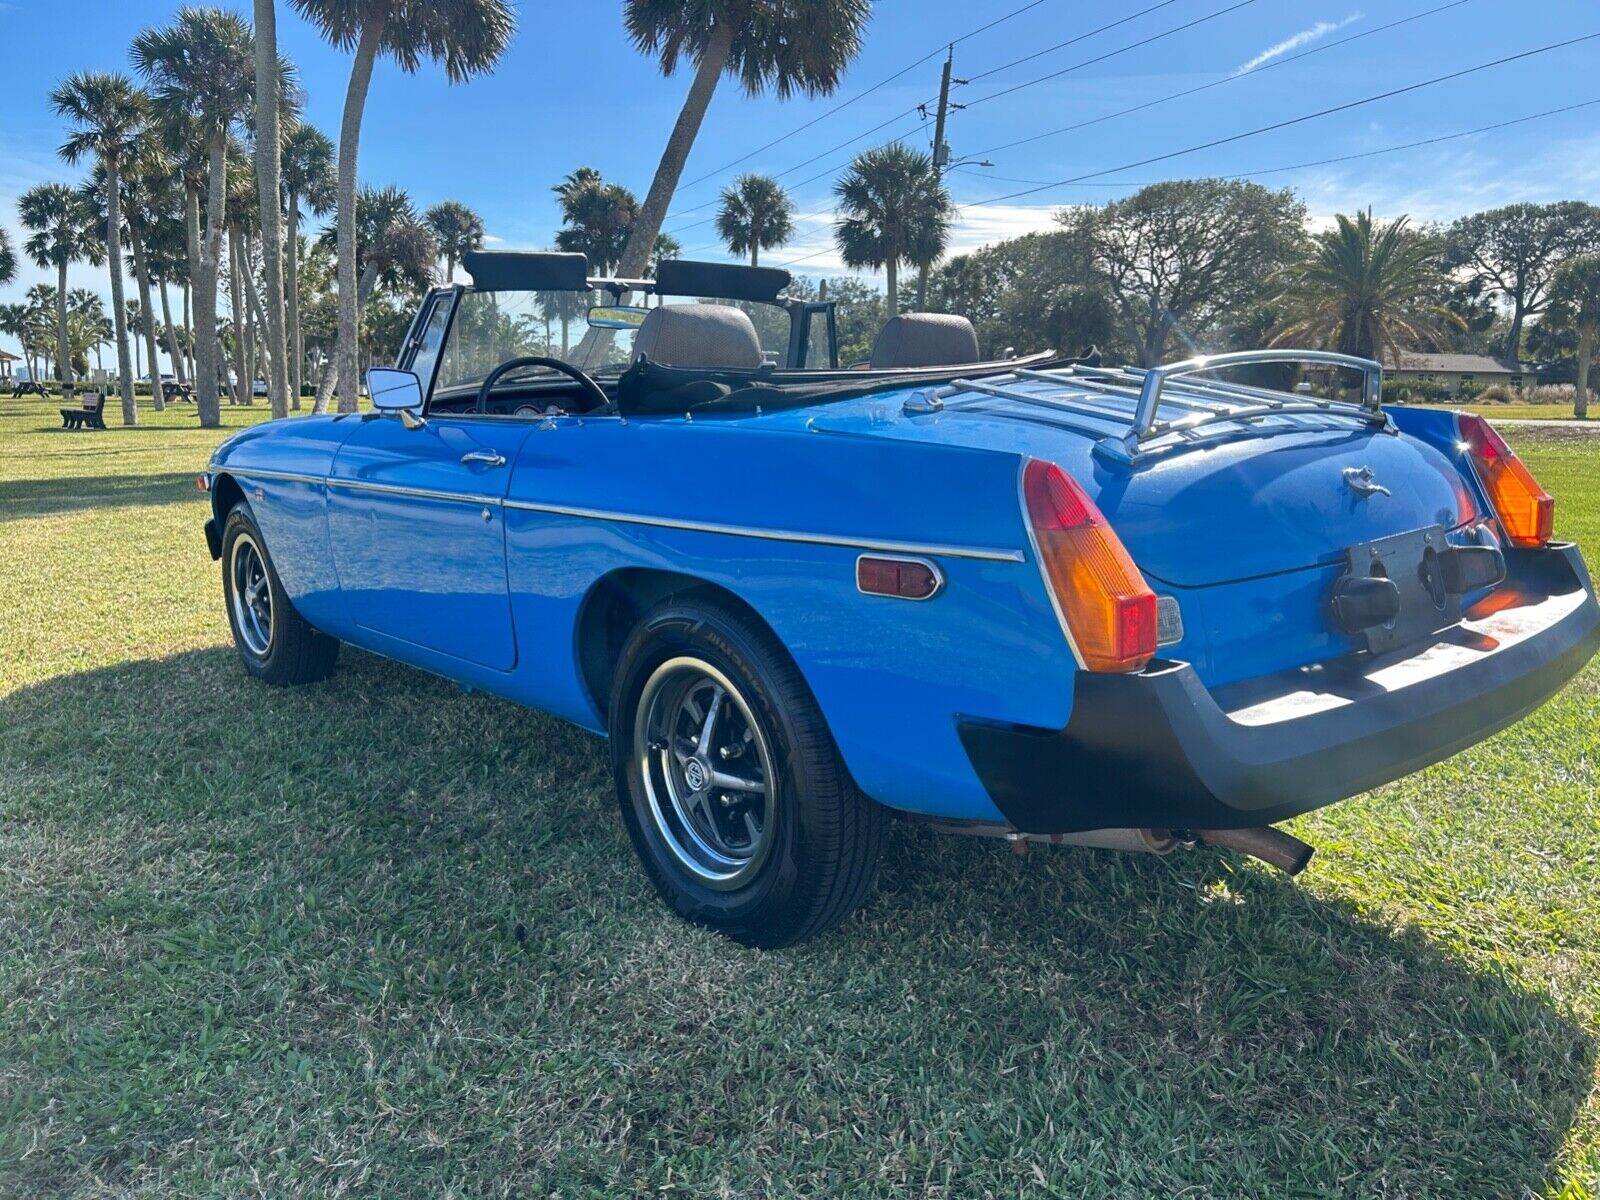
[{"x": 698, "y": 335}]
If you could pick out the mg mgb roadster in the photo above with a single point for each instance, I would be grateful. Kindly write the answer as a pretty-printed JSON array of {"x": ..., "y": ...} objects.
[{"x": 1040, "y": 598}]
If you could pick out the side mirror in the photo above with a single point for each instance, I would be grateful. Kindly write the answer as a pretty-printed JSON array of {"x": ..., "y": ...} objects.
[{"x": 396, "y": 392}]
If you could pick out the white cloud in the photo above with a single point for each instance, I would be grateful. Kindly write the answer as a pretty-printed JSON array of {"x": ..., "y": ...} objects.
[
  {"x": 1306, "y": 36},
  {"x": 812, "y": 250}
]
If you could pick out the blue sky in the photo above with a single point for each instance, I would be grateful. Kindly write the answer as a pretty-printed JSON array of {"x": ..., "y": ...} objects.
[{"x": 572, "y": 91}]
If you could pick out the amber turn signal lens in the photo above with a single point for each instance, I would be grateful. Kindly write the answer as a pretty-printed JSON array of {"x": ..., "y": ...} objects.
[
  {"x": 202, "y": 483},
  {"x": 1527, "y": 512},
  {"x": 1108, "y": 609}
]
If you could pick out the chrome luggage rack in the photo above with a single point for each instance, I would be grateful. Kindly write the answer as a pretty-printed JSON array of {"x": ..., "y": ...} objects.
[{"x": 1134, "y": 396}]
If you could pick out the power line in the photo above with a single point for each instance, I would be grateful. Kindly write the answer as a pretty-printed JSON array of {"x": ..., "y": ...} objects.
[
  {"x": 1215, "y": 83},
  {"x": 1300, "y": 166},
  {"x": 1017, "y": 62},
  {"x": 1100, "y": 58},
  {"x": 1321, "y": 162},
  {"x": 1016, "y": 12},
  {"x": 1300, "y": 120}
]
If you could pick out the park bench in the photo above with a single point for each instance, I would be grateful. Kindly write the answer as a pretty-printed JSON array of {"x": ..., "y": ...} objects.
[{"x": 90, "y": 416}]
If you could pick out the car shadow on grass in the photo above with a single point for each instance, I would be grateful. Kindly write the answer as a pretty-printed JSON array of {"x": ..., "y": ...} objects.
[
  {"x": 380, "y": 931},
  {"x": 21, "y": 498}
]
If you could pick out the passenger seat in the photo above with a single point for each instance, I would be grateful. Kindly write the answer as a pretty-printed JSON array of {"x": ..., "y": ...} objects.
[
  {"x": 925, "y": 340},
  {"x": 698, "y": 335}
]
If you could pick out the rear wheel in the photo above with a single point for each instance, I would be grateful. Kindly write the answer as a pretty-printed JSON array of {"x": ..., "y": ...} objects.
[
  {"x": 275, "y": 642},
  {"x": 730, "y": 784}
]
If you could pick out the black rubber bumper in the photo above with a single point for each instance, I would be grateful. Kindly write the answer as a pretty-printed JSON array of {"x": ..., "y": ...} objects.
[
  {"x": 213, "y": 539},
  {"x": 1157, "y": 749}
]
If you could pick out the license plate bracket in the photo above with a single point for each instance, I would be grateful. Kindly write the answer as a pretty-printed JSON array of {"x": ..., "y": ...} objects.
[{"x": 1410, "y": 561}]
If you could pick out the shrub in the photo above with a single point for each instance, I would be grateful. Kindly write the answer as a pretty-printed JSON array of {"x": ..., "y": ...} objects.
[
  {"x": 1551, "y": 393},
  {"x": 1496, "y": 393},
  {"x": 1414, "y": 391}
]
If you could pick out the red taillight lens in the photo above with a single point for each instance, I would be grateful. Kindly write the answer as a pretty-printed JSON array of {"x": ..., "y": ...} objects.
[
  {"x": 1103, "y": 598},
  {"x": 1527, "y": 512}
]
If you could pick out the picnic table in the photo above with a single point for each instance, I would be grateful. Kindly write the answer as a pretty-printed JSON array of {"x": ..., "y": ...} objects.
[
  {"x": 177, "y": 391},
  {"x": 27, "y": 387}
]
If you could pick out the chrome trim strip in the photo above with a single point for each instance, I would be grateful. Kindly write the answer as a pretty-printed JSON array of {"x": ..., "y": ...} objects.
[
  {"x": 391, "y": 489},
  {"x": 263, "y": 473},
  {"x": 775, "y": 535}
]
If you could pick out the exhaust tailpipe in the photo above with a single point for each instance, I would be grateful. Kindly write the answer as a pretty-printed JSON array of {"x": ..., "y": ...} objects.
[{"x": 1272, "y": 846}]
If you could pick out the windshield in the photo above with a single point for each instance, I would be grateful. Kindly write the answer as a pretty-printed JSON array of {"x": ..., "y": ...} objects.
[
  {"x": 494, "y": 327},
  {"x": 490, "y": 328}
]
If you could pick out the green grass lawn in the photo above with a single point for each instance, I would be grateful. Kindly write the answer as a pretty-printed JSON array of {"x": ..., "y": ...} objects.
[
  {"x": 1517, "y": 412},
  {"x": 380, "y": 936}
]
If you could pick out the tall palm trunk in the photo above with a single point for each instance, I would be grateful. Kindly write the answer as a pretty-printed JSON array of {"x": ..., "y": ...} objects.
[
  {"x": 642, "y": 241},
  {"x": 295, "y": 343},
  {"x": 63, "y": 354},
  {"x": 141, "y": 274},
  {"x": 204, "y": 263},
  {"x": 119, "y": 310},
  {"x": 347, "y": 348},
  {"x": 369, "y": 277},
  {"x": 188, "y": 331},
  {"x": 174, "y": 349},
  {"x": 1586, "y": 339},
  {"x": 241, "y": 384},
  {"x": 891, "y": 270},
  {"x": 269, "y": 149}
]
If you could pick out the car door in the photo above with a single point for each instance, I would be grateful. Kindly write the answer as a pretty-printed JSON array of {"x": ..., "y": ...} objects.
[{"x": 416, "y": 522}]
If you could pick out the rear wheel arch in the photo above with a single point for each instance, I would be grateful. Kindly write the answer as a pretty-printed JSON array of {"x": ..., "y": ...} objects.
[{"x": 614, "y": 607}]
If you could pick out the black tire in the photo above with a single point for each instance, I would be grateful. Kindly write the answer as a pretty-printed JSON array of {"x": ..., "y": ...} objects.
[
  {"x": 288, "y": 650},
  {"x": 822, "y": 856}
]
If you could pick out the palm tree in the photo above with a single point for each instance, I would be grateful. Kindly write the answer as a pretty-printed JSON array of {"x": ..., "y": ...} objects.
[
  {"x": 1366, "y": 288},
  {"x": 895, "y": 211},
  {"x": 165, "y": 242},
  {"x": 308, "y": 176},
  {"x": 144, "y": 196},
  {"x": 457, "y": 229},
  {"x": 271, "y": 74},
  {"x": 756, "y": 214},
  {"x": 8, "y": 258},
  {"x": 466, "y": 36},
  {"x": 201, "y": 69},
  {"x": 396, "y": 249},
  {"x": 1575, "y": 305},
  {"x": 107, "y": 114},
  {"x": 62, "y": 227},
  {"x": 787, "y": 45},
  {"x": 597, "y": 218}
]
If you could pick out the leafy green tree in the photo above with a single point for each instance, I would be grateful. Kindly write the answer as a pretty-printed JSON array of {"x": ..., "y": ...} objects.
[
  {"x": 893, "y": 210},
  {"x": 787, "y": 45},
  {"x": 466, "y": 37},
  {"x": 61, "y": 228},
  {"x": 396, "y": 250},
  {"x": 1516, "y": 250},
  {"x": 1365, "y": 287},
  {"x": 201, "y": 74},
  {"x": 307, "y": 173},
  {"x": 8, "y": 258},
  {"x": 755, "y": 214},
  {"x": 1575, "y": 306},
  {"x": 1178, "y": 259},
  {"x": 457, "y": 229}
]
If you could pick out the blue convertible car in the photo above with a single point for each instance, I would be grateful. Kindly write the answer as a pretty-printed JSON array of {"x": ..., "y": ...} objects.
[{"x": 1039, "y": 598}]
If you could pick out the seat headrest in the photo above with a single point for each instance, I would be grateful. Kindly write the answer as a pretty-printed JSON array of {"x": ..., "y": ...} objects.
[
  {"x": 925, "y": 340},
  {"x": 698, "y": 335}
]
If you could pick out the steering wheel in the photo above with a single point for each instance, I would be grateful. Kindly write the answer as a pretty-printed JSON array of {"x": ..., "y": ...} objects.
[{"x": 589, "y": 386}]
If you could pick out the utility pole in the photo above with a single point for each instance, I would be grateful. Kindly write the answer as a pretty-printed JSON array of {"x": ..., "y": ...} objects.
[{"x": 941, "y": 155}]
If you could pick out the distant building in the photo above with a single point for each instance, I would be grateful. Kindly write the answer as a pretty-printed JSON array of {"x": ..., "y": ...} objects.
[{"x": 1453, "y": 371}]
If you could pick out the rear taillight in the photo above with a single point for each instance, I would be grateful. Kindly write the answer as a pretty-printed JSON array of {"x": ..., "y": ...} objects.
[
  {"x": 1109, "y": 611},
  {"x": 1527, "y": 512}
]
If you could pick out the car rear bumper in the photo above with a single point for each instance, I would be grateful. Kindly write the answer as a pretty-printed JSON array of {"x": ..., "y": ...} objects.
[{"x": 1157, "y": 749}]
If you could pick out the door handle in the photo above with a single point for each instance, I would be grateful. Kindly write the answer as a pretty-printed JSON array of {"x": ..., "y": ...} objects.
[{"x": 489, "y": 458}]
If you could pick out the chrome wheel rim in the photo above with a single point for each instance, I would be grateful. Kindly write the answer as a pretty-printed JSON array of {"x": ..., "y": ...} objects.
[
  {"x": 707, "y": 771},
  {"x": 252, "y": 595}
]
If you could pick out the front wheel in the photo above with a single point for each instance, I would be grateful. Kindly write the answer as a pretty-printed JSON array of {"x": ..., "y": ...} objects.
[
  {"x": 277, "y": 645},
  {"x": 730, "y": 784}
]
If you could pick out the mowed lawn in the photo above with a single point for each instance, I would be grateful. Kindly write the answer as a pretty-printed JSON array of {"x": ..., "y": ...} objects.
[{"x": 378, "y": 936}]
